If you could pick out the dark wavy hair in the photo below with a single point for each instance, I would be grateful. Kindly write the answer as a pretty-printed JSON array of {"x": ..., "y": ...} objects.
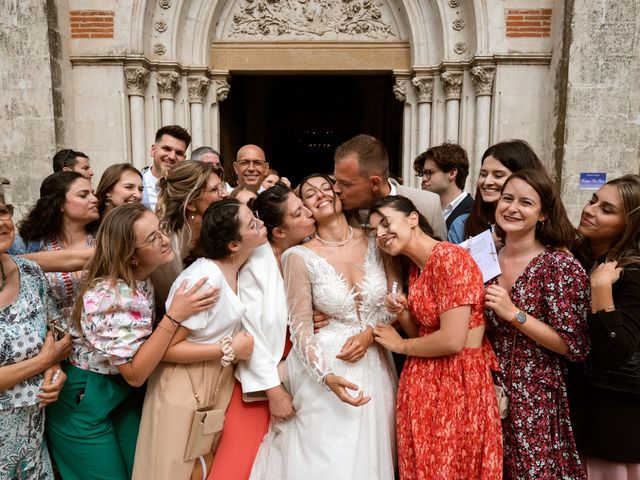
[
  {"x": 515, "y": 155},
  {"x": 556, "y": 230},
  {"x": 270, "y": 206},
  {"x": 109, "y": 178},
  {"x": 220, "y": 227},
  {"x": 446, "y": 157},
  {"x": 405, "y": 206},
  {"x": 44, "y": 220}
]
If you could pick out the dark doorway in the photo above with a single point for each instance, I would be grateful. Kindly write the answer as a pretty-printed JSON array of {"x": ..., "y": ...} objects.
[{"x": 300, "y": 120}]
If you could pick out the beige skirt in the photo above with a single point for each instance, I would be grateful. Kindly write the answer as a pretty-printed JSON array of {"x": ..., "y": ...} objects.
[{"x": 167, "y": 414}]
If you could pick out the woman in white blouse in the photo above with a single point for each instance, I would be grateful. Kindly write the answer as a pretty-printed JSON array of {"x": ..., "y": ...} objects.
[{"x": 197, "y": 370}]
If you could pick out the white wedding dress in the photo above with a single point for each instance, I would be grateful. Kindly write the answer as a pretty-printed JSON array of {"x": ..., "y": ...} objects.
[{"x": 328, "y": 439}]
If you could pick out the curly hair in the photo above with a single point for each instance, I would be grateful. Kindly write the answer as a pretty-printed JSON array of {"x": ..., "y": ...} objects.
[
  {"x": 179, "y": 187},
  {"x": 270, "y": 206},
  {"x": 109, "y": 178},
  {"x": 45, "y": 218},
  {"x": 220, "y": 226},
  {"x": 447, "y": 157}
]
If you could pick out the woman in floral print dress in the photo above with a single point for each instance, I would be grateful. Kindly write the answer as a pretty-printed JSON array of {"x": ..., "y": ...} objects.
[
  {"x": 537, "y": 310},
  {"x": 447, "y": 417}
]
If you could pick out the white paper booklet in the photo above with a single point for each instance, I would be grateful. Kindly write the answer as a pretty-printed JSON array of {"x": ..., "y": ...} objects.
[{"x": 483, "y": 251}]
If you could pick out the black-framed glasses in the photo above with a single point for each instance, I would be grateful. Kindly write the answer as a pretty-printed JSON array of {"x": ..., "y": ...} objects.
[
  {"x": 6, "y": 212},
  {"x": 427, "y": 174}
]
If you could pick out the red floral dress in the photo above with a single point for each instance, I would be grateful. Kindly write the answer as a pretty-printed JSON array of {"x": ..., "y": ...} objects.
[
  {"x": 448, "y": 424},
  {"x": 538, "y": 440}
]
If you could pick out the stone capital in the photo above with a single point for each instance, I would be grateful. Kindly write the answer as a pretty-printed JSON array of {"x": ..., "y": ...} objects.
[
  {"x": 452, "y": 84},
  {"x": 137, "y": 80},
  {"x": 222, "y": 89},
  {"x": 198, "y": 87},
  {"x": 483, "y": 79},
  {"x": 168, "y": 84},
  {"x": 424, "y": 87},
  {"x": 400, "y": 89}
]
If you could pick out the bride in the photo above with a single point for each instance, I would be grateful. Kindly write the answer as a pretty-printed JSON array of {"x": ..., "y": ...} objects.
[{"x": 341, "y": 273}]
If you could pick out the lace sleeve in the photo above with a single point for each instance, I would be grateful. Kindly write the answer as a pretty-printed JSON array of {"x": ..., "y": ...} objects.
[{"x": 300, "y": 303}]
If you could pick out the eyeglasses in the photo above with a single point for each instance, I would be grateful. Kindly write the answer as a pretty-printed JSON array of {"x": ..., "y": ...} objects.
[
  {"x": 154, "y": 240},
  {"x": 218, "y": 188},
  {"x": 255, "y": 163},
  {"x": 256, "y": 224},
  {"x": 6, "y": 212},
  {"x": 426, "y": 174}
]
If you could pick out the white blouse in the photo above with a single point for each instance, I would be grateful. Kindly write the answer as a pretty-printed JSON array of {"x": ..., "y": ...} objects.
[{"x": 223, "y": 319}]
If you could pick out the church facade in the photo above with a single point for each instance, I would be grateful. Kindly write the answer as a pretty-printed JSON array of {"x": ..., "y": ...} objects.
[{"x": 101, "y": 76}]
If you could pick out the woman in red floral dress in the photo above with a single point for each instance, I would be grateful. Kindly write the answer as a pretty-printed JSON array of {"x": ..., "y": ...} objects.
[
  {"x": 537, "y": 316},
  {"x": 447, "y": 419}
]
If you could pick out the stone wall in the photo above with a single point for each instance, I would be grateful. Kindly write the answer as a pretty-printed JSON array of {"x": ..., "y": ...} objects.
[
  {"x": 602, "y": 119},
  {"x": 29, "y": 100}
]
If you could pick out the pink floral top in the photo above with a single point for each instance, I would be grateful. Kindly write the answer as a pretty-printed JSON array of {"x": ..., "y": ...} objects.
[{"x": 115, "y": 323}]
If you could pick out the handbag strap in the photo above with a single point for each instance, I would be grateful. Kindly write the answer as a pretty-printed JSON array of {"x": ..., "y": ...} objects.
[
  {"x": 513, "y": 355},
  {"x": 193, "y": 386}
]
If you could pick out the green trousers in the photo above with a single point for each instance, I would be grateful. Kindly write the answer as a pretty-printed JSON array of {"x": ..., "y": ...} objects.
[{"x": 92, "y": 429}]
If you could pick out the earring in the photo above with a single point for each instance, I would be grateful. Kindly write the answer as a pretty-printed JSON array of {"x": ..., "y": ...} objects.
[
  {"x": 134, "y": 262},
  {"x": 233, "y": 259},
  {"x": 193, "y": 216},
  {"x": 108, "y": 200}
]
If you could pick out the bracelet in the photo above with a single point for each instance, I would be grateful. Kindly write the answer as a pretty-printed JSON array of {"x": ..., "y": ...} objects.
[
  {"x": 228, "y": 355},
  {"x": 165, "y": 329},
  {"x": 609, "y": 308},
  {"x": 173, "y": 320}
]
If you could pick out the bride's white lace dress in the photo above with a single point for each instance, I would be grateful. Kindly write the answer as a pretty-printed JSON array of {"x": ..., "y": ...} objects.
[{"x": 328, "y": 439}]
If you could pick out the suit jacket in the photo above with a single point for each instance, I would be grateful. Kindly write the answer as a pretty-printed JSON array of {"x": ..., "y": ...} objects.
[
  {"x": 261, "y": 289},
  {"x": 428, "y": 204},
  {"x": 463, "y": 207}
]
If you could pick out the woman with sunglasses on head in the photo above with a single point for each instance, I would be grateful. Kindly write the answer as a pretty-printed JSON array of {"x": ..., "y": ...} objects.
[
  {"x": 185, "y": 193},
  {"x": 447, "y": 418},
  {"x": 537, "y": 311},
  {"x": 605, "y": 396},
  {"x": 120, "y": 184},
  {"x": 197, "y": 369},
  {"x": 64, "y": 218},
  {"x": 30, "y": 375},
  {"x": 341, "y": 273},
  {"x": 498, "y": 162},
  {"x": 92, "y": 429},
  {"x": 261, "y": 289}
]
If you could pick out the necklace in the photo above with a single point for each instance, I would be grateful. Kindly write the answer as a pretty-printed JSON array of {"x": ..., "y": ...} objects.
[
  {"x": 4, "y": 276},
  {"x": 339, "y": 243}
]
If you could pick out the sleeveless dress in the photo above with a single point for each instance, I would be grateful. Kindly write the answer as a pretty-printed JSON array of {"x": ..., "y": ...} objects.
[
  {"x": 327, "y": 438},
  {"x": 448, "y": 421}
]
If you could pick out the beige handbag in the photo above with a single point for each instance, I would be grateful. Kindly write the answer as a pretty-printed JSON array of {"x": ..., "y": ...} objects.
[{"x": 207, "y": 421}]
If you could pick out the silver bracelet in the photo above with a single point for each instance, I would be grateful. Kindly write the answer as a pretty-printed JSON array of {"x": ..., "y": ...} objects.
[{"x": 228, "y": 355}]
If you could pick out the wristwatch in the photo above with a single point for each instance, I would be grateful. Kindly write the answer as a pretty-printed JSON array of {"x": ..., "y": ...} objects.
[{"x": 520, "y": 317}]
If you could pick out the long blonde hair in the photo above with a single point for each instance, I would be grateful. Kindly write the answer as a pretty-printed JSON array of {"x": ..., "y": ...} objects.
[
  {"x": 114, "y": 250},
  {"x": 179, "y": 187}
]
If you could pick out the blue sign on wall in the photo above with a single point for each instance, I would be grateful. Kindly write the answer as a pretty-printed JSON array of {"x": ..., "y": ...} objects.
[{"x": 592, "y": 180}]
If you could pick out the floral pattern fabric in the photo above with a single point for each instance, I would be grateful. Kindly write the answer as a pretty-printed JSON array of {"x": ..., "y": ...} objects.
[
  {"x": 23, "y": 327},
  {"x": 115, "y": 323},
  {"x": 538, "y": 439},
  {"x": 448, "y": 422}
]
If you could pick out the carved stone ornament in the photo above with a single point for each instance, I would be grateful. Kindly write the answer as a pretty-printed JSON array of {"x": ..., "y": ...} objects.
[
  {"x": 483, "y": 79},
  {"x": 198, "y": 87},
  {"x": 161, "y": 26},
  {"x": 311, "y": 18},
  {"x": 137, "y": 80},
  {"x": 452, "y": 84},
  {"x": 159, "y": 49},
  {"x": 454, "y": 3},
  {"x": 460, "y": 48},
  {"x": 400, "y": 89},
  {"x": 168, "y": 84},
  {"x": 458, "y": 24},
  {"x": 165, "y": 4},
  {"x": 222, "y": 90},
  {"x": 424, "y": 86}
]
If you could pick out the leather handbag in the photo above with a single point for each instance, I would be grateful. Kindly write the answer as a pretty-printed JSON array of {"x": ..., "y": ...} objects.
[{"x": 206, "y": 422}]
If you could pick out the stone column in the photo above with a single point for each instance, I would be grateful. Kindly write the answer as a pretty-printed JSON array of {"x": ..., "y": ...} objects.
[
  {"x": 452, "y": 83},
  {"x": 168, "y": 85},
  {"x": 483, "y": 82},
  {"x": 198, "y": 87},
  {"x": 137, "y": 80},
  {"x": 401, "y": 90},
  {"x": 424, "y": 87},
  {"x": 222, "y": 88}
]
